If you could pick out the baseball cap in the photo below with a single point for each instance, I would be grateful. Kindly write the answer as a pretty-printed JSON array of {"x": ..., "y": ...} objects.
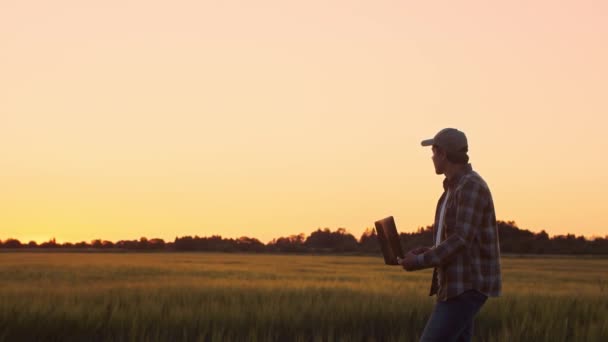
[{"x": 449, "y": 139}]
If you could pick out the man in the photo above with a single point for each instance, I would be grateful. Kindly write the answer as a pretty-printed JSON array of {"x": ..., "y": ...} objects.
[{"x": 465, "y": 255}]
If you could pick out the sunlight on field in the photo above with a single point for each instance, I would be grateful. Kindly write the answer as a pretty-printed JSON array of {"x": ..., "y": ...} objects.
[{"x": 213, "y": 297}]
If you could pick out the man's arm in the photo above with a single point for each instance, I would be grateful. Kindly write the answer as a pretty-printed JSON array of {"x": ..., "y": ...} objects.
[
  {"x": 420, "y": 250},
  {"x": 470, "y": 202}
]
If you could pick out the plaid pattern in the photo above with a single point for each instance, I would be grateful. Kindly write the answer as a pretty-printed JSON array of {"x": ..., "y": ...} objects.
[{"x": 468, "y": 256}]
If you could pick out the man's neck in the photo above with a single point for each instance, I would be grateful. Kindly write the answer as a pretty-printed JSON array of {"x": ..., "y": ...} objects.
[{"x": 453, "y": 170}]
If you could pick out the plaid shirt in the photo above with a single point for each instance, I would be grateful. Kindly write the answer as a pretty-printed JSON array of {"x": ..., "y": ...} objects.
[{"x": 468, "y": 256}]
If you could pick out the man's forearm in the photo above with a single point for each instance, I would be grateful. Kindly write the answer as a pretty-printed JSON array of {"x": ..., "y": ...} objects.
[{"x": 441, "y": 253}]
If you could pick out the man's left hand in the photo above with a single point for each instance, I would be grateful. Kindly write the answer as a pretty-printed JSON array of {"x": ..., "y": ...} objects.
[{"x": 409, "y": 263}]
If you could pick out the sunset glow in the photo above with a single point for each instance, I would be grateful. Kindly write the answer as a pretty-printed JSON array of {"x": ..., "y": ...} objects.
[{"x": 122, "y": 119}]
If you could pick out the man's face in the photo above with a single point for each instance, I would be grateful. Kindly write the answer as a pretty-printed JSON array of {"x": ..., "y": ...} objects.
[{"x": 439, "y": 160}]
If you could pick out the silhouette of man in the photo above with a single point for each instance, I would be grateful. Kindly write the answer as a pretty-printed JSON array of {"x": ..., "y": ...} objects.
[{"x": 465, "y": 255}]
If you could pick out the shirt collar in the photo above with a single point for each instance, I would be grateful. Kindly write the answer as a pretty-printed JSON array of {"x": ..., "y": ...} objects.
[{"x": 452, "y": 182}]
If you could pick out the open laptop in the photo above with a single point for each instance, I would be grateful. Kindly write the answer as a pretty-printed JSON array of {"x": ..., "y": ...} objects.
[{"x": 390, "y": 244}]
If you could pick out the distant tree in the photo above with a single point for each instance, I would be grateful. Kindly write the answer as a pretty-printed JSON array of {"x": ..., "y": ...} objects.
[
  {"x": 541, "y": 236},
  {"x": 327, "y": 241},
  {"x": 185, "y": 243},
  {"x": 156, "y": 244},
  {"x": 319, "y": 239},
  {"x": 107, "y": 244},
  {"x": 81, "y": 244},
  {"x": 127, "y": 244},
  {"x": 290, "y": 244},
  {"x": 143, "y": 243},
  {"x": 49, "y": 244},
  {"x": 12, "y": 243},
  {"x": 599, "y": 246},
  {"x": 512, "y": 239},
  {"x": 369, "y": 241},
  {"x": 247, "y": 244}
]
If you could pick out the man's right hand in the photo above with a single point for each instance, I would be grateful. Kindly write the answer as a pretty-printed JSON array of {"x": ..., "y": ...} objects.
[{"x": 419, "y": 250}]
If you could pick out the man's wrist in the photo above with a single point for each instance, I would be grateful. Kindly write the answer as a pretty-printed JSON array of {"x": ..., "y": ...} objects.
[{"x": 420, "y": 260}]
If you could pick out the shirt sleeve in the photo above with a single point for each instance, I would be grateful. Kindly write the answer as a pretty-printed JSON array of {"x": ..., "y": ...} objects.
[{"x": 471, "y": 200}]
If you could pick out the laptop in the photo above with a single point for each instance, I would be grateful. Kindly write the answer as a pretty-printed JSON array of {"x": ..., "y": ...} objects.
[{"x": 390, "y": 244}]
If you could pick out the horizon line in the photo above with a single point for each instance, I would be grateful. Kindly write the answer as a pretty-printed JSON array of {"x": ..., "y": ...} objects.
[{"x": 509, "y": 222}]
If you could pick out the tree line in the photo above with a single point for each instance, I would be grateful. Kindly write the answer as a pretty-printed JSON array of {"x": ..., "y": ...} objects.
[{"x": 512, "y": 240}]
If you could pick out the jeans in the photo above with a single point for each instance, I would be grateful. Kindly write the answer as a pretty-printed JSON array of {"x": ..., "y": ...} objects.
[{"x": 452, "y": 320}]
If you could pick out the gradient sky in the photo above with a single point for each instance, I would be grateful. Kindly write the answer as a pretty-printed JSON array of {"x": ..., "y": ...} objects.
[{"x": 122, "y": 119}]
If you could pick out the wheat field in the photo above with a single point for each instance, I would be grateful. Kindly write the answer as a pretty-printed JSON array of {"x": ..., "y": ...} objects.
[{"x": 250, "y": 297}]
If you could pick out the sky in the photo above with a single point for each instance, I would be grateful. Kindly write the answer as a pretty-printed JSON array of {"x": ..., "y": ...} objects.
[{"x": 267, "y": 118}]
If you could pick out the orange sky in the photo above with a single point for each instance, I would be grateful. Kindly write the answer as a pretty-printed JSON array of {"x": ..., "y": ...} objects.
[{"x": 121, "y": 119}]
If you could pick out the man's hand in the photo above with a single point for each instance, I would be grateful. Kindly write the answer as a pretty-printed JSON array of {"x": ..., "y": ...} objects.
[{"x": 409, "y": 262}]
